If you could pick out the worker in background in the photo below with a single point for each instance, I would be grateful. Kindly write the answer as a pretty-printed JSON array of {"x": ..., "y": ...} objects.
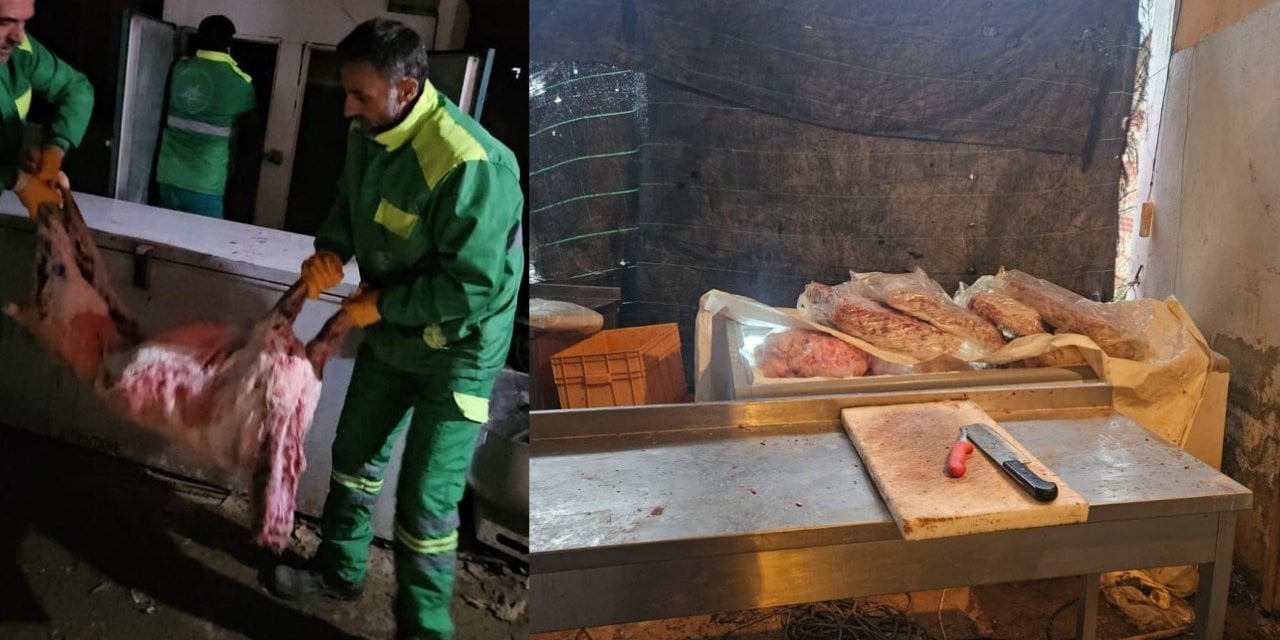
[
  {"x": 206, "y": 95},
  {"x": 428, "y": 205},
  {"x": 33, "y": 70}
]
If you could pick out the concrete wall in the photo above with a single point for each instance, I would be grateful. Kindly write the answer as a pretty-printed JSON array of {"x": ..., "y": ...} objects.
[
  {"x": 1214, "y": 246},
  {"x": 1158, "y": 16},
  {"x": 1202, "y": 18}
]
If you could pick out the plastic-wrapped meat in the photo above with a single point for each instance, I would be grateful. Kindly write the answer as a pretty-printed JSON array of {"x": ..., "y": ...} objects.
[
  {"x": 809, "y": 354},
  {"x": 1106, "y": 324},
  {"x": 841, "y": 308},
  {"x": 1008, "y": 314},
  {"x": 916, "y": 295},
  {"x": 241, "y": 399}
]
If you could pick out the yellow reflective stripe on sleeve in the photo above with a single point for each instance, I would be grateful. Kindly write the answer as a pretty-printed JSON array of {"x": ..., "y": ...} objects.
[
  {"x": 443, "y": 143},
  {"x": 368, "y": 485},
  {"x": 218, "y": 56},
  {"x": 23, "y": 103},
  {"x": 397, "y": 221},
  {"x": 433, "y": 335},
  {"x": 427, "y": 545},
  {"x": 461, "y": 146},
  {"x": 473, "y": 408}
]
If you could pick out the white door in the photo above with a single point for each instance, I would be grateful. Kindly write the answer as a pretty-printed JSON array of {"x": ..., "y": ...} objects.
[{"x": 148, "y": 51}]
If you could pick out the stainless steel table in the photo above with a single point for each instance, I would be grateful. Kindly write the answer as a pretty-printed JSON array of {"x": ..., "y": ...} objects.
[{"x": 641, "y": 513}]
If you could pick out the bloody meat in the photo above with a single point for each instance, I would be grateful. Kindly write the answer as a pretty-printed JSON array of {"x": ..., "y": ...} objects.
[{"x": 241, "y": 398}]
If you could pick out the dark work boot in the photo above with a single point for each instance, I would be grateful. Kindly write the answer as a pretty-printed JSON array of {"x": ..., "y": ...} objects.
[{"x": 292, "y": 583}]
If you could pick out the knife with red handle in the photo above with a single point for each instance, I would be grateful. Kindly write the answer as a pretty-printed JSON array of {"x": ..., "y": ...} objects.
[{"x": 959, "y": 451}]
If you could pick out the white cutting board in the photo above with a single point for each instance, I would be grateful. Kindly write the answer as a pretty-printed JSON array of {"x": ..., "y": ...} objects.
[{"x": 905, "y": 446}]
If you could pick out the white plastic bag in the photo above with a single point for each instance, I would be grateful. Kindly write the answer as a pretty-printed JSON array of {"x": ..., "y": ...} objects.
[{"x": 558, "y": 316}]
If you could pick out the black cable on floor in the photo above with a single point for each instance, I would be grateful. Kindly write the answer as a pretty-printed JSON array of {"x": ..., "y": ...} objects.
[
  {"x": 1048, "y": 631},
  {"x": 850, "y": 620}
]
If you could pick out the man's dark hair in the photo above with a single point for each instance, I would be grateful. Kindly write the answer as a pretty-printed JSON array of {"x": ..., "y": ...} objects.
[
  {"x": 391, "y": 47},
  {"x": 215, "y": 33}
]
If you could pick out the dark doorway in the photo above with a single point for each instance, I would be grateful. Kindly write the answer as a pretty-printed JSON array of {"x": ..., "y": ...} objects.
[
  {"x": 321, "y": 146},
  {"x": 258, "y": 59}
]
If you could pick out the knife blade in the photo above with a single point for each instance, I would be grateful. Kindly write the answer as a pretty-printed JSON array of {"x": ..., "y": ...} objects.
[{"x": 1010, "y": 460}]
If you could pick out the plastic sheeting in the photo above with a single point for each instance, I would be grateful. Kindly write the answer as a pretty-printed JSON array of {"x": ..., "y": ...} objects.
[
  {"x": 585, "y": 127},
  {"x": 1011, "y": 73},
  {"x": 678, "y": 147}
]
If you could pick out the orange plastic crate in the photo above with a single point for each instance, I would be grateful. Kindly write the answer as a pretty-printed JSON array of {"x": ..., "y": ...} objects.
[{"x": 616, "y": 367}]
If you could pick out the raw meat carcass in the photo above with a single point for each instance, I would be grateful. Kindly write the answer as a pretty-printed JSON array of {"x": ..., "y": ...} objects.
[
  {"x": 916, "y": 295},
  {"x": 241, "y": 398},
  {"x": 808, "y": 354},
  {"x": 70, "y": 313},
  {"x": 1008, "y": 314},
  {"x": 841, "y": 308}
]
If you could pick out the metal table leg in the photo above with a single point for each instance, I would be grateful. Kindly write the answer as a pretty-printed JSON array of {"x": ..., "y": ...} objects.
[
  {"x": 1087, "y": 613},
  {"x": 1215, "y": 577}
]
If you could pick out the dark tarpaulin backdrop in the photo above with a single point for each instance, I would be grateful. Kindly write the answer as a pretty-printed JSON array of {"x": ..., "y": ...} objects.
[{"x": 753, "y": 146}]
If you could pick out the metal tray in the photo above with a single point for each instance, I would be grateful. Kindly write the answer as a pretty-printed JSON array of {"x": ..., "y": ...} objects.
[{"x": 748, "y": 384}]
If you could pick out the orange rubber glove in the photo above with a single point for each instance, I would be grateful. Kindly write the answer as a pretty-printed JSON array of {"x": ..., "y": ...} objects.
[
  {"x": 321, "y": 271},
  {"x": 362, "y": 307},
  {"x": 33, "y": 192},
  {"x": 49, "y": 164}
]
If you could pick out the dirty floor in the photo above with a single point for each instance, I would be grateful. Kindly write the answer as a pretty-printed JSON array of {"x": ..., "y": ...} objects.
[
  {"x": 1039, "y": 610},
  {"x": 93, "y": 547}
]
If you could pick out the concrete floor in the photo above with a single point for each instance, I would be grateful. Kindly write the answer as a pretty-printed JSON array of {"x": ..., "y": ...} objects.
[{"x": 93, "y": 547}]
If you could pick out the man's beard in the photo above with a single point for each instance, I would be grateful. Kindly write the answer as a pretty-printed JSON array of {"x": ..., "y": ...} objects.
[{"x": 369, "y": 128}]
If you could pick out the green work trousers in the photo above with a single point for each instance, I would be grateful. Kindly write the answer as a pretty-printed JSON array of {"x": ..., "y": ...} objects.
[{"x": 381, "y": 401}]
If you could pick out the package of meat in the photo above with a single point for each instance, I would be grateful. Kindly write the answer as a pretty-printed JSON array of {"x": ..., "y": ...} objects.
[
  {"x": 916, "y": 295},
  {"x": 808, "y": 354},
  {"x": 1112, "y": 326},
  {"x": 240, "y": 398},
  {"x": 1013, "y": 318},
  {"x": 842, "y": 308}
]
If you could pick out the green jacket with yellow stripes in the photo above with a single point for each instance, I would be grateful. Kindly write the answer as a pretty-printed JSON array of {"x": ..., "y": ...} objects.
[
  {"x": 430, "y": 209},
  {"x": 206, "y": 95},
  {"x": 33, "y": 69}
]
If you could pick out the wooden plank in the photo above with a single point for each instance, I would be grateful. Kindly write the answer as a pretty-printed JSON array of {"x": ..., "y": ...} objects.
[{"x": 904, "y": 448}]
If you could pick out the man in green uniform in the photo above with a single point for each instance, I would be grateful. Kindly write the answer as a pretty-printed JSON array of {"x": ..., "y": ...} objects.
[
  {"x": 206, "y": 95},
  {"x": 29, "y": 68},
  {"x": 429, "y": 206}
]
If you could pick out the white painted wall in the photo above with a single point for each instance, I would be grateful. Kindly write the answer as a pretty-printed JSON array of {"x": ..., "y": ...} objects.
[
  {"x": 1160, "y": 19},
  {"x": 295, "y": 25},
  {"x": 1217, "y": 182},
  {"x": 1215, "y": 244},
  {"x": 323, "y": 21}
]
